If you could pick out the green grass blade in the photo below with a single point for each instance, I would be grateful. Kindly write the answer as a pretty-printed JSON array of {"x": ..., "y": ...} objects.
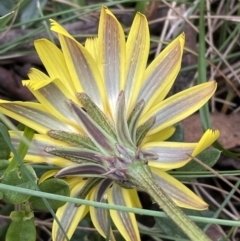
[
  {"x": 202, "y": 74},
  {"x": 114, "y": 207}
]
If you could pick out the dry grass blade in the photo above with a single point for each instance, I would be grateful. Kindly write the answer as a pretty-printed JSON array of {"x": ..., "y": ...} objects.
[{"x": 215, "y": 173}]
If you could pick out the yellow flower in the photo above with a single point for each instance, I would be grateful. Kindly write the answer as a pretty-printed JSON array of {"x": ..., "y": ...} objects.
[{"x": 100, "y": 111}]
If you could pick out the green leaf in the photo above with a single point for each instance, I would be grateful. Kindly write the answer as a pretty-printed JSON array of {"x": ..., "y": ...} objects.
[
  {"x": 54, "y": 186},
  {"x": 168, "y": 227},
  {"x": 17, "y": 216},
  {"x": 21, "y": 228},
  {"x": 178, "y": 135},
  {"x": 4, "y": 148},
  {"x": 18, "y": 177},
  {"x": 208, "y": 156},
  {"x": 30, "y": 10},
  {"x": 3, "y": 165},
  {"x": 171, "y": 229},
  {"x": 6, "y": 7}
]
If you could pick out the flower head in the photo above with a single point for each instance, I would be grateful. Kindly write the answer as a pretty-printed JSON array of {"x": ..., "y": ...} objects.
[{"x": 102, "y": 114}]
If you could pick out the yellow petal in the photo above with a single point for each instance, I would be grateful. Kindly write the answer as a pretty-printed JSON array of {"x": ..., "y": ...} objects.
[
  {"x": 172, "y": 155},
  {"x": 91, "y": 45},
  {"x": 52, "y": 94},
  {"x": 36, "y": 152},
  {"x": 208, "y": 138},
  {"x": 33, "y": 115},
  {"x": 133, "y": 195},
  {"x": 161, "y": 73},
  {"x": 137, "y": 50},
  {"x": 180, "y": 194},
  {"x": 99, "y": 217},
  {"x": 111, "y": 57},
  {"x": 54, "y": 62},
  {"x": 179, "y": 106},
  {"x": 35, "y": 74},
  {"x": 47, "y": 175},
  {"x": 125, "y": 222},
  {"x": 53, "y": 161},
  {"x": 159, "y": 136},
  {"x": 69, "y": 215},
  {"x": 81, "y": 66}
]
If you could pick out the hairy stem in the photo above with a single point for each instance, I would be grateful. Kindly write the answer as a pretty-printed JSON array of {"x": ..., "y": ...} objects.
[{"x": 142, "y": 176}]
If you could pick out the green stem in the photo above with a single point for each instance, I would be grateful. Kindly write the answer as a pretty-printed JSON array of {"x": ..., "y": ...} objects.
[{"x": 141, "y": 175}]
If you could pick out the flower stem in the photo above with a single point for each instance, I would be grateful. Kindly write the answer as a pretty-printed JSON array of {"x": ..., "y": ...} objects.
[{"x": 141, "y": 175}]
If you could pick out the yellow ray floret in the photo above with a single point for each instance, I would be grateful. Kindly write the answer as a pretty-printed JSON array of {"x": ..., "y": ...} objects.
[
  {"x": 179, "y": 106},
  {"x": 54, "y": 62},
  {"x": 124, "y": 221},
  {"x": 82, "y": 67},
  {"x": 180, "y": 194},
  {"x": 137, "y": 51},
  {"x": 111, "y": 58},
  {"x": 172, "y": 155}
]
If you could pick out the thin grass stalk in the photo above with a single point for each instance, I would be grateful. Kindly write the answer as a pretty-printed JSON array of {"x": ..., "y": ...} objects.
[{"x": 202, "y": 74}]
